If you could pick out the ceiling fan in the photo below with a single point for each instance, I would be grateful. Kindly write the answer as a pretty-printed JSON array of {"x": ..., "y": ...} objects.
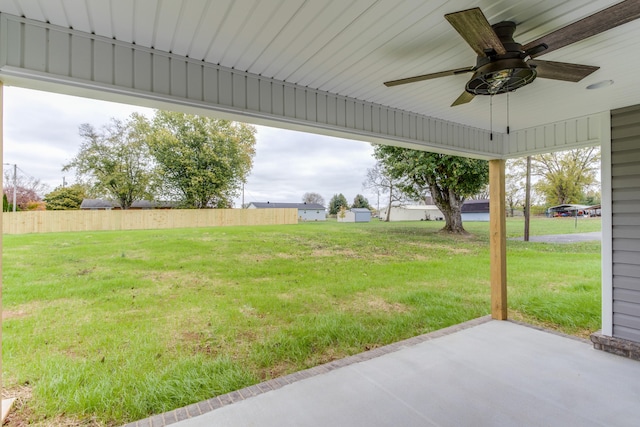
[{"x": 504, "y": 65}]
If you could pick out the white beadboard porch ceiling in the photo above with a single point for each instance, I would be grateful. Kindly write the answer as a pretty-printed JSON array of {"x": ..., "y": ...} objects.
[{"x": 349, "y": 47}]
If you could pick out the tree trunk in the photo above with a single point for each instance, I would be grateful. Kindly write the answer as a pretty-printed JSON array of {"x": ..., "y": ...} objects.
[
  {"x": 390, "y": 201},
  {"x": 453, "y": 221},
  {"x": 451, "y": 208}
]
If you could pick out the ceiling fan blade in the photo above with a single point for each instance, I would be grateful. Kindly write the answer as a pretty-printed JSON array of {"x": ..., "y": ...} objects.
[
  {"x": 463, "y": 98},
  {"x": 474, "y": 28},
  {"x": 611, "y": 17},
  {"x": 428, "y": 76},
  {"x": 562, "y": 70}
]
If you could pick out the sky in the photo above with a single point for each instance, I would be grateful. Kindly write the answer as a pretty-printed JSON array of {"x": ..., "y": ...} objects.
[{"x": 41, "y": 135}]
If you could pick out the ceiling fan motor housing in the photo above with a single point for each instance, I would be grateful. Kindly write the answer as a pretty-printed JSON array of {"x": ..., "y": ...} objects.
[{"x": 496, "y": 73}]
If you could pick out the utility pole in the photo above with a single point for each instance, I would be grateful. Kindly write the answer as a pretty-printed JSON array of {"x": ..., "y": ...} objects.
[
  {"x": 527, "y": 200},
  {"x": 15, "y": 182}
]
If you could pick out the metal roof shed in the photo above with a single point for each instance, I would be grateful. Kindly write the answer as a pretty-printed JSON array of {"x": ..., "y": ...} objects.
[
  {"x": 475, "y": 210},
  {"x": 361, "y": 214},
  {"x": 355, "y": 215}
]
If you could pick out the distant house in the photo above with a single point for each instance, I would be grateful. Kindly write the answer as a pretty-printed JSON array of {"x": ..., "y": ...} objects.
[
  {"x": 413, "y": 213},
  {"x": 98, "y": 204},
  {"x": 152, "y": 204},
  {"x": 101, "y": 204},
  {"x": 475, "y": 210},
  {"x": 355, "y": 215},
  {"x": 306, "y": 211}
]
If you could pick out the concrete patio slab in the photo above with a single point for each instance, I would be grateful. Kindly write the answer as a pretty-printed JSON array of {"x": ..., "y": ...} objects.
[{"x": 493, "y": 373}]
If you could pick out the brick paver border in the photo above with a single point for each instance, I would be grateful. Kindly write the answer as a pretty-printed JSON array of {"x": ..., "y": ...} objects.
[{"x": 209, "y": 405}]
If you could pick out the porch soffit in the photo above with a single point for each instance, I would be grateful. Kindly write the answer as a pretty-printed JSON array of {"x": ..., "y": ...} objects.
[{"x": 337, "y": 50}]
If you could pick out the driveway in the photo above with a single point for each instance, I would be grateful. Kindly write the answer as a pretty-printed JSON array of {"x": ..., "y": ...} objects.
[{"x": 565, "y": 238}]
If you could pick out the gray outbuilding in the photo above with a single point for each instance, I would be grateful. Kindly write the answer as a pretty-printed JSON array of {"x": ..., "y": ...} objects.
[
  {"x": 355, "y": 215},
  {"x": 475, "y": 210},
  {"x": 306, "y": 211}
]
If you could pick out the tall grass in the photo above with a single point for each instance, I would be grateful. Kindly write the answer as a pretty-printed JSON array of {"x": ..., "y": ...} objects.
[{"x": 116, "y": 326}]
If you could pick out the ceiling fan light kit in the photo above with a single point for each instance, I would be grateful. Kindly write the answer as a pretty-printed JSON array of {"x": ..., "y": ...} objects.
[
  {"x": 503, "y": 65},
  {"x": 500, "y": 73},
  {"x": 500, "y": 77}
]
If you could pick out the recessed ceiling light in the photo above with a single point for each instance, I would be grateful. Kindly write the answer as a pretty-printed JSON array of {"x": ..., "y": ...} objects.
[{"x": 600, "y": 85}]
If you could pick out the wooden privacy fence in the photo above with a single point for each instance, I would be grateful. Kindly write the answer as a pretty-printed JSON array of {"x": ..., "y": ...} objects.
[{"x": 106, "y": 220}]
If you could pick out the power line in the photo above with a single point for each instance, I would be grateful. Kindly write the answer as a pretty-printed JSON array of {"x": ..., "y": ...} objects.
[{"x": 28, "y": 175}]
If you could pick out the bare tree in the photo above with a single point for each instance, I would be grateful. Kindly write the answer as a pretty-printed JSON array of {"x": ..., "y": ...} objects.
[
  {"x": 379, "y": 180},
  {"x": 313, "y": 198},
  {"x": 27, "y": 188},
  {"x": 480, "y": 195}
]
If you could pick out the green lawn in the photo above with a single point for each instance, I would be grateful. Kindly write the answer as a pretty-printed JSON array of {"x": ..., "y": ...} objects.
[{"x": 114, "y": 326}]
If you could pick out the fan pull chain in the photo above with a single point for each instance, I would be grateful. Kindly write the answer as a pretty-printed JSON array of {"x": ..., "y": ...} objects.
[
  {"x": 491, "y": 118},
  {"x": 507, "y": 111}
]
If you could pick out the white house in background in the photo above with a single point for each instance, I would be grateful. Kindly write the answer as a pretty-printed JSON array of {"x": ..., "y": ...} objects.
[
  {"x": 475, "y": 210},
  {"x": 306, "y": 211},
  {"x": 413, "y": 213},
  {"x": 355, "y": 215}
]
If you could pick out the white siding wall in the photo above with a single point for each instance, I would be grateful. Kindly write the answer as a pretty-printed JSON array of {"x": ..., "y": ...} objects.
[
  {"x": 625, "y": 206},
  {"x": 475, "y": 217},
  {"x": 403, "y": 214},
  {"x": 565, "y": 135},
  {"x": 312, "y": 215}
]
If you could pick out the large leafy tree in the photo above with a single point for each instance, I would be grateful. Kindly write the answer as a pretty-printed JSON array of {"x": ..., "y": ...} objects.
[
  {"x": 449, "y": 179},
  {"x": 337, "y": 201},
  {"x": 66, "y": 198},
  {"x": 114, "y": 160},
  {"x": 567, "y": 176},
  {"x": 201, "y": 161}
]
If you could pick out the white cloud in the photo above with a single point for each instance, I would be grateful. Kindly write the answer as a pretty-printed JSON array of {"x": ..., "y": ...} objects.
[{"x": 41, "y": 135}]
